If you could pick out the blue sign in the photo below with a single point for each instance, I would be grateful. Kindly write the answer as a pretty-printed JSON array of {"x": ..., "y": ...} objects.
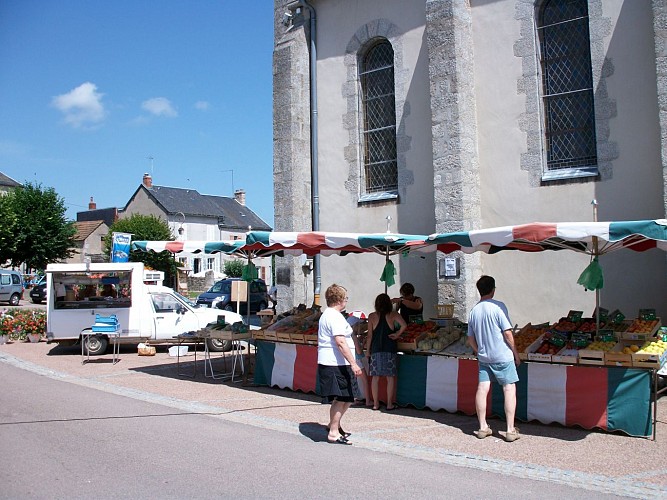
[{"x": 120, "y": 249}]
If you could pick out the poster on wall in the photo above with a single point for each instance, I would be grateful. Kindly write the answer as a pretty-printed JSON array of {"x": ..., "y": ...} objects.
[{"x": 120, "y": 248}]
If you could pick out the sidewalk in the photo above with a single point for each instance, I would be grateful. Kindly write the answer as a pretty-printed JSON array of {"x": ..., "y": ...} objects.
[{"x": 593, "y": 460}]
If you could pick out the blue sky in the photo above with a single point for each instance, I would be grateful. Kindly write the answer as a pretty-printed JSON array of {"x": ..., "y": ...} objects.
[{"x": 90, "y": 89}]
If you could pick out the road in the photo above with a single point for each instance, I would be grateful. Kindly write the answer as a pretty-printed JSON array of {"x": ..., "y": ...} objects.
[{"x": 62, "y": 440}]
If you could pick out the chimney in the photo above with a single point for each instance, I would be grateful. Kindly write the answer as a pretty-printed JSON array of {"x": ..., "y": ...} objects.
[
  {"x": 239, "y": 195},
  {"x": 147, "y": 181},
  {"x": 91, "y": 204}
]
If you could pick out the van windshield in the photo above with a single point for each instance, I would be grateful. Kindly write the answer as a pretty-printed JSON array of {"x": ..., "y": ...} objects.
[{"x": 221, "y": 287}]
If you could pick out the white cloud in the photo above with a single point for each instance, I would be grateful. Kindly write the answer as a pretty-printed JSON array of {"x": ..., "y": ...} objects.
[
  {"x": 81, "y": 106},
  {"x": 201, "y": 105},
  {"x": 159, "y": 106}
]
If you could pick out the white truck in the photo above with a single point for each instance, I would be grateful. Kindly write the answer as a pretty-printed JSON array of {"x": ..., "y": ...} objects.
[{"x": 76, "y": 293}]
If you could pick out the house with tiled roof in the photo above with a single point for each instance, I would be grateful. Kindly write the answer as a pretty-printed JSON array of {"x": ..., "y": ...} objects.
[
  {"x": 7, "y": 183},
  {"x": 89, "y": 241},
  {"x": 195, "y": 216}
]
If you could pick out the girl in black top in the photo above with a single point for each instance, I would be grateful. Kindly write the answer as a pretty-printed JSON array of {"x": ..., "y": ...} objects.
[
  {"x": 408, "y": 304},
  {"x": 385, "y": 326}
]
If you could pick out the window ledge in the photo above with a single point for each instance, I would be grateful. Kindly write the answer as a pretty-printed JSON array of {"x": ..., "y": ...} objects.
[
  {"x": 570, "y": 173},
  {"x": 381, "y": 196}
]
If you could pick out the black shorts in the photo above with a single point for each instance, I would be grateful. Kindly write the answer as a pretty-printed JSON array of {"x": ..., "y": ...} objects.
[{"x": 337, "y": 383}]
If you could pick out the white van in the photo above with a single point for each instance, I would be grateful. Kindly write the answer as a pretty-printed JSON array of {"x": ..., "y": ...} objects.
[
  {"x": 11, "y": 286},
  {"x": 76, "y": 293}
]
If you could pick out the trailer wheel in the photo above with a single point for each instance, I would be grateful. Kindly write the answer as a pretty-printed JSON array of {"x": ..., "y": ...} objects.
[
  {"x": 218, "y": 345},
  {"x": 95, "y": 345}
]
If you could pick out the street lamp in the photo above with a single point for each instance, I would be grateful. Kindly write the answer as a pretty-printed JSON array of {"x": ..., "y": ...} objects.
[{"x": 180, "y": 228}]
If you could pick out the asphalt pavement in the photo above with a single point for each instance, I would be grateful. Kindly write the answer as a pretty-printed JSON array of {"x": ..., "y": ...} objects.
[{"x": 591, "y": 460}]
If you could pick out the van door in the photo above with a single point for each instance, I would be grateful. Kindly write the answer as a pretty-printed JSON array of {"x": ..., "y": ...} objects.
[
  {"x": 172, "y": 317},
  {"x": 5, "y": 287}
]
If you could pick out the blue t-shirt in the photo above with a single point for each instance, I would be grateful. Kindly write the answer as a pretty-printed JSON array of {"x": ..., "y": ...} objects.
[{"x": 487, "y": 322}]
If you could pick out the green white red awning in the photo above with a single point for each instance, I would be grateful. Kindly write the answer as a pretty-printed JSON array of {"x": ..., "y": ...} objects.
[
  {"x": 333, "y": 243},
  {"x": 593, "y": 238},
  {"x": 210, "y": 247}
]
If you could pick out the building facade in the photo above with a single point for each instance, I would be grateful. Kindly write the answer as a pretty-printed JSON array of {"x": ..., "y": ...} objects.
[
  {"x": 453, "y": 115},
  {"x": 196, "y": 217}
]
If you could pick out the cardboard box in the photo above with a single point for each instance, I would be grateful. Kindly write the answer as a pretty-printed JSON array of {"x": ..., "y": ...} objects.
[{"x": 178, "y": 350}]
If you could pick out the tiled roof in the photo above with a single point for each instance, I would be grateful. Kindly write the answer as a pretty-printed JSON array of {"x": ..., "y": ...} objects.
[
  {"x": 108, "y": 215},
  {"x": 192, "y": 203},
  {"x": 86, "y": 228},
  {"x": 8, "y": 181}
]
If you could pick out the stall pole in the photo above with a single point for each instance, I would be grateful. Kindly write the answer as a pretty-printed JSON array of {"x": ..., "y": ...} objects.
[{"x": 595, "y": 253}]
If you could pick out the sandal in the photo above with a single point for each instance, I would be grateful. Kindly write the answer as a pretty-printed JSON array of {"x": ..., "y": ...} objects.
[
  {"x": 340, "y": 440},
  {"x": 481, "y": 434},
  {"x": 343, "y": 434}
]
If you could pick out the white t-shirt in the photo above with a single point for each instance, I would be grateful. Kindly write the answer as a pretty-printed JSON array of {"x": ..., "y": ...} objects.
[
  {"x": 487, "y": 322},
  {"x": 332, "y": 324}
]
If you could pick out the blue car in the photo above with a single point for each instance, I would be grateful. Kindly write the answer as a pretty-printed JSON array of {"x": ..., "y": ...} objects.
[{"x": 220, "y": 296}]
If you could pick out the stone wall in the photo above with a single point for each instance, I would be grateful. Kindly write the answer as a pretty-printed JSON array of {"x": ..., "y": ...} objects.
[{"x": 454, "y": 131}]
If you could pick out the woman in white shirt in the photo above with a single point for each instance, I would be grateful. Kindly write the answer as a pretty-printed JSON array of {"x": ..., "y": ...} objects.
[{"x": 336, "y": 364}]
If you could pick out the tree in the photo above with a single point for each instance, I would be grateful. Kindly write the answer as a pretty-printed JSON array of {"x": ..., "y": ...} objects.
[
  {"x": 42, "y": 234},
  {"x": 234, "y": 268},
  {"x": 7, "y": 229},
  {"x": 150, "y": 228}
]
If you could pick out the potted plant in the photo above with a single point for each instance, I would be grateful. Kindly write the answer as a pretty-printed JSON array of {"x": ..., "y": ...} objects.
[
  {"x": 20, "y": 324},
  {"x": 6, "y": 326}
]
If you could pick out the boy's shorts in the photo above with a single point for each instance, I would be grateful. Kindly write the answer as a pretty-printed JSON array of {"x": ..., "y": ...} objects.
[{"x": 504, "y": 373}]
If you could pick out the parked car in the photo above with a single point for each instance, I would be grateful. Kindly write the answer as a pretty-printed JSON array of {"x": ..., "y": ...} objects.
[
  {"x": 220, "y": 296},
  {"x": 38, "y": 291},
  {"x": 11, "y": 286}
]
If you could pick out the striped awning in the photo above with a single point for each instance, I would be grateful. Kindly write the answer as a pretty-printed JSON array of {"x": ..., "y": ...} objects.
[
  {"x": 593, "y": 238},
  {"x": 331, "y": 243},
  {"x": 228, "y": 247}
]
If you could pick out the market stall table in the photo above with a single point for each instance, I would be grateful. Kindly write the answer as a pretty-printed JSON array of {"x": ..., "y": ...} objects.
[
  {"x": 604, "y": 397},
  {"x": 237, "y": 356},
  {"x": 190, "y": 338}
]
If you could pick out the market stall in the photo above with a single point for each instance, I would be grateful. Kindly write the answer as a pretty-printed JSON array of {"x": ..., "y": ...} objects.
[
  {"x": 594, "y": 385},
  {"x": 607, "y": 398}
]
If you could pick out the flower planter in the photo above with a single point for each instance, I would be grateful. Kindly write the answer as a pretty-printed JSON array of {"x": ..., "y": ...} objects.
[
  {"x": 4, "y": 339},
  {"x": 34, "y": 337}
]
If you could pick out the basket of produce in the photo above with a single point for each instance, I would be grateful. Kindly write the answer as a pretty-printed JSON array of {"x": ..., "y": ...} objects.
[{"x": 445, "y": 310}]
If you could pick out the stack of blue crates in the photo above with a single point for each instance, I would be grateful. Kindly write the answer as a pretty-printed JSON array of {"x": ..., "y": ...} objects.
[{"x": 106, "y": 324}]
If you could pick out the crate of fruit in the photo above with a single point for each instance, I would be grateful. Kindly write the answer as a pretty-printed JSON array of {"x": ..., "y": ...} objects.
[
  {"x": 621, "y": 354},
  {"x": 528, "y": 339},
  {"x": 296, "y": 338},
  {"x": 642, "y": 329},
  {"x": 542, "y": 350},
  {"x": 414, "y": 333},
  {"x": 594, "y": 353},
  {"x": 567, "y": 355},
  {"x": 283, "y": 336},
  {"x": 310, "y": 338},
  {"x": 652, "y": 354},
  {"x": 258, "y": 334}
]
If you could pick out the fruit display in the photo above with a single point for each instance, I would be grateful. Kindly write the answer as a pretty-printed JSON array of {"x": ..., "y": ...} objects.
[
  {"x": 653, "y": 347},
  {"x": 440, "y": 339},
  {"x": 588, "y": 325},
  {"x": 629, "y": 349},
  {"x": 547, "y": 348},
  {"x": 642, "y": 326},
  {"x": 458, "y": 348},
  {"x": 414, "y": 330},
  {"x": 527, "y": 336},
  {"x": 601, "y": 345},
  {"x": 565, "y": 325}
]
